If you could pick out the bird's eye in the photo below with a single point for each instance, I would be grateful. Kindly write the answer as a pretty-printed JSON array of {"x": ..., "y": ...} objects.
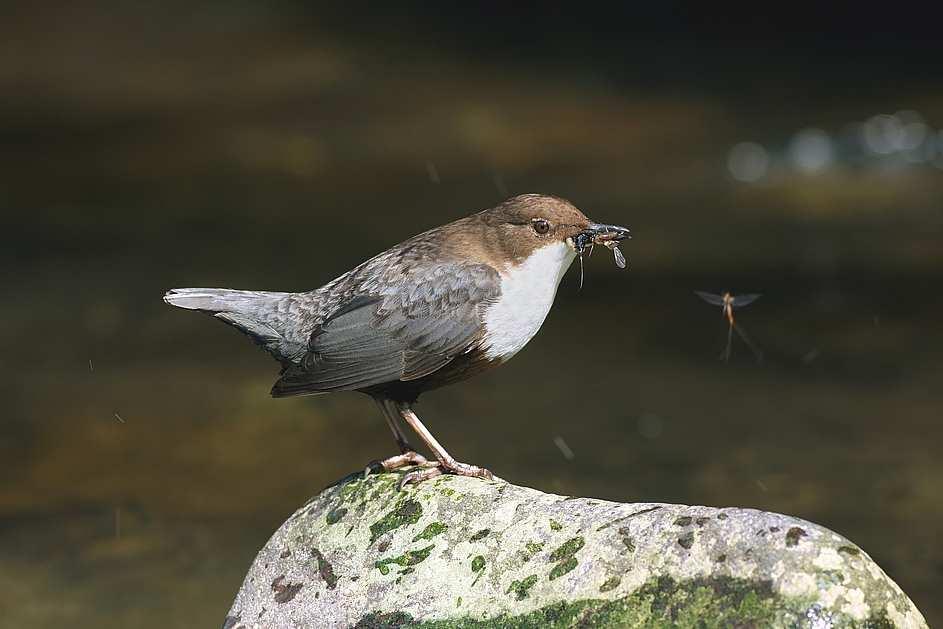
[{"x": 541, "y": 226}]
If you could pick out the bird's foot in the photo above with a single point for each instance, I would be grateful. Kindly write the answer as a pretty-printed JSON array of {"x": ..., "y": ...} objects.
[
  {"x": 431, "y": 470},
  {"x": 464, "y": 469},
  {"x": 408, "y": 457},
  {"x": 425, "y": 472}
]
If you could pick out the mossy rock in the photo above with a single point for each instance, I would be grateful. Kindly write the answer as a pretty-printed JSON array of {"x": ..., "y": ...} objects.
[{"x": 459, "y": 552}]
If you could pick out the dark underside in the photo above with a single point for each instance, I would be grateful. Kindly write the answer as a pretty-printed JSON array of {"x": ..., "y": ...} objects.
[{"x": 458, "y": 369}]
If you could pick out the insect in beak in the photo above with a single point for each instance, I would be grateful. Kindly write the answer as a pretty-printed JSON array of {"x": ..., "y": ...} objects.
[
  {"x": 614, "y": 246},
  {"x": 598, "y": 234}
]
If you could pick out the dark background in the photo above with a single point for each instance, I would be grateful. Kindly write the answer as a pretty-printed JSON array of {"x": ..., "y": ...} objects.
[{"x": 273, "y": 146}]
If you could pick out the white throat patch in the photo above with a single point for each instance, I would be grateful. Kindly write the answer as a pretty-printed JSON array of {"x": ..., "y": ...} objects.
[{"x": 527, "y": 292}]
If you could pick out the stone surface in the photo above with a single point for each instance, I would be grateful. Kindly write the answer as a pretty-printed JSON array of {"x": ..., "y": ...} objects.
[{"x": 460, "y": 552}]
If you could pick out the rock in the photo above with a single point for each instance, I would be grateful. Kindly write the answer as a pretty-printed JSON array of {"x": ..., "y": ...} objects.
[{"x": 460, "y": 552}]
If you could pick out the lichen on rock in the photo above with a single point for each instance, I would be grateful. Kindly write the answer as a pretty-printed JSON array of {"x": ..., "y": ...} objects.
[{"x": 459, "y": 552}]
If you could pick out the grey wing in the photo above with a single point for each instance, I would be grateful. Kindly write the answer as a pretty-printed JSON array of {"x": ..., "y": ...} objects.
[
  {"x": 405, "y": 330},
  {"x": 711, "y": 298},
  {"x": 745, "y": 300}
]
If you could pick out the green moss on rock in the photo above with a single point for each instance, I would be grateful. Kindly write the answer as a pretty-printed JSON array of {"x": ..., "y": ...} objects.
[
  {"x": 478, "y": 566},
  {"x": 378, "y": 620},
  {"x": 432, "y": 529},
  {"x": 406, "y": 512},
  {"x": 409, "y": 558},
  {"x": 662, "y": 602},
  {"x": 567, "y": 549},
  {"x": 521, "y": 589},
  {"x": 563, "y": 567},
  {"x": 610, "y": 584},
  {"x": 357, "y": 492},
  {"x": 565, "y": 557},
  {"x": 531, "y": 549}
]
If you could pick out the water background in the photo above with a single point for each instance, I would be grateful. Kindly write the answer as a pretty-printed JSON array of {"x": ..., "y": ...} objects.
[{"x": 229, "y": 145}]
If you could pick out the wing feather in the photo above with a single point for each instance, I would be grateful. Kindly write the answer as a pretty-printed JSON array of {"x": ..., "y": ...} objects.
[{"x": 403, "y": 330}]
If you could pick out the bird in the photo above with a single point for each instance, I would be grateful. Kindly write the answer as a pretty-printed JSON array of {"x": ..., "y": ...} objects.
[{"x": 440, "y": 307}]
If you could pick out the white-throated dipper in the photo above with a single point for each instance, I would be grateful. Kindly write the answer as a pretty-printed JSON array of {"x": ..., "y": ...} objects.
[{"x": 433, "y": 310}]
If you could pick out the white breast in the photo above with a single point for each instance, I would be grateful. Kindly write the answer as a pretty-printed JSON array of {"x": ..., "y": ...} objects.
[{"x": 527, "y": 292}]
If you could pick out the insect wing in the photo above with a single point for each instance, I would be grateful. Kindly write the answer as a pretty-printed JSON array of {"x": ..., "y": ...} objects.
[
  {"x": 745, "y": 300},
  {"x": 711, "y": 298},
  {"x": 620, "y": 259}
]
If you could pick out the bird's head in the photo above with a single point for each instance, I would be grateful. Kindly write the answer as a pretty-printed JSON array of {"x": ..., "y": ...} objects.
[{"x": 528, "y": 223}]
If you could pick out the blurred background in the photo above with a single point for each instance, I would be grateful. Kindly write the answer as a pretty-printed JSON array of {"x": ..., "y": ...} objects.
[{"x": 147, "y": 146}]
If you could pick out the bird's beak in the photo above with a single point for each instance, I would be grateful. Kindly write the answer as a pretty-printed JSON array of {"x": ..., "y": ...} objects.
[{"x": 599, "y": 234}]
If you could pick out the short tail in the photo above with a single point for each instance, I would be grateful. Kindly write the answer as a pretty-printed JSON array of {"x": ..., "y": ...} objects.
[{"x": 256, "y": 313}]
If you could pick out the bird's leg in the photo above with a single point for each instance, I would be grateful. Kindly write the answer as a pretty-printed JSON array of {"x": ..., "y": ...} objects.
[
  {"x": 407, "y": 455},
  {"x": 391, "y": 413},
  {"x": 446, "y": 461}
]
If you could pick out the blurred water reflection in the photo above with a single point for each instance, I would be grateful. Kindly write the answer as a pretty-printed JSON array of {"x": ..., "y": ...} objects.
[{"x": 144, "y": 157}]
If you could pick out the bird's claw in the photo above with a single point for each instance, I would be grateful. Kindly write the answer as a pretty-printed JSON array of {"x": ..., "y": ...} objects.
[
  {"x": 395, "y": 462},
  {"x": 433, "y": 469},
  {"x": 425, "y": 472}
]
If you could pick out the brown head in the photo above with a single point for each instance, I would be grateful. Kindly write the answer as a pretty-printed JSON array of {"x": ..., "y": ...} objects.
[{"x": 510, "y": 232}]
